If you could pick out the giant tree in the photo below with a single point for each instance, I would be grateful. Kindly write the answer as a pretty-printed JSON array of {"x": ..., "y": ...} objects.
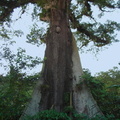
[{"x": 60, "y": 76}]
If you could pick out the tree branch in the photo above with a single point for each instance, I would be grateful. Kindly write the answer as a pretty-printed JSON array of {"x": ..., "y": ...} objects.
[
  {"x": 109, "y": 5},
  {"x": 81, "y": 29},
  {"x": 9, "y": 6}
]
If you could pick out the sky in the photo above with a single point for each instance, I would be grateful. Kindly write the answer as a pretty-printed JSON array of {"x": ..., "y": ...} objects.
[{"x": 103, "y": 61}]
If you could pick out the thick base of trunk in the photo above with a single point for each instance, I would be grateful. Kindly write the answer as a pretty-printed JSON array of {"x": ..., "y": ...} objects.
[{"x": 82, "y": 100}]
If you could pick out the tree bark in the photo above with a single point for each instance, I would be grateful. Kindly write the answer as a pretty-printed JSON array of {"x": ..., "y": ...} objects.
[
  {"x": 57, "y": 74},
  {"x": 83, "y": 100},
  {"x": 62, "y": 71}
]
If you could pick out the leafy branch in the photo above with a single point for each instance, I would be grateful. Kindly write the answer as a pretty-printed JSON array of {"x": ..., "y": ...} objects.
[
  {"x": 7, "y": 7},
  {"x": 100, "y": 34}
]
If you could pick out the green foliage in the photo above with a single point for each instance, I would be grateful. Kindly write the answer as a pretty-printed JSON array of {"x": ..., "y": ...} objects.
[
  {"x": 7, "y": 7},
  {"x": 37, "y": 35},
  {"x": 110, "y": 78},
  {"x": 90, "y": 29},
  {"x": 105, "y": 89},
  {"x": 19, "y": 61},
  {"x": 16, "y": 87},
  {"x": 87, "y": 31},
  {"x": 49, "y": 115},
  {"x": 104, "y": 31},
  {"x": 16, "y": 90},
  {"x": 54, "y": 115},
  {"x": 6, "y": 33}
]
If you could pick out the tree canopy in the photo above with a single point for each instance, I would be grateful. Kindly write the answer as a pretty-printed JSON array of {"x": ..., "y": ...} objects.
[{"x": 99, "y": 33}]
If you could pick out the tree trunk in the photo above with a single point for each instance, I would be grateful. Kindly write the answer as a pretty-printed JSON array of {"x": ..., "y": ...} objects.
[
  {"x": 57, "y": 74},
  {"x": 62, "y": 69}
]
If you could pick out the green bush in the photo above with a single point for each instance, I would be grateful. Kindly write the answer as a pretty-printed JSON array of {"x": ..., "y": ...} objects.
[
  {"x": 15, "y": 92},
  {"x": 49, "y": 115},
  {"x": 16, "y": 87},
  {"x": 54, "y": 115}
]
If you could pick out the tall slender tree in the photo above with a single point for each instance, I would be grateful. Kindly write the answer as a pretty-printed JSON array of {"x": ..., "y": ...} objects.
[{"x": 62, "y": 68}]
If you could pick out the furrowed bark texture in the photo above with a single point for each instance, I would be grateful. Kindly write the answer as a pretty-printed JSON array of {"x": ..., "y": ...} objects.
[
  {"x": 57, "y": 74},
  {"x": 61, "y": 73}
]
